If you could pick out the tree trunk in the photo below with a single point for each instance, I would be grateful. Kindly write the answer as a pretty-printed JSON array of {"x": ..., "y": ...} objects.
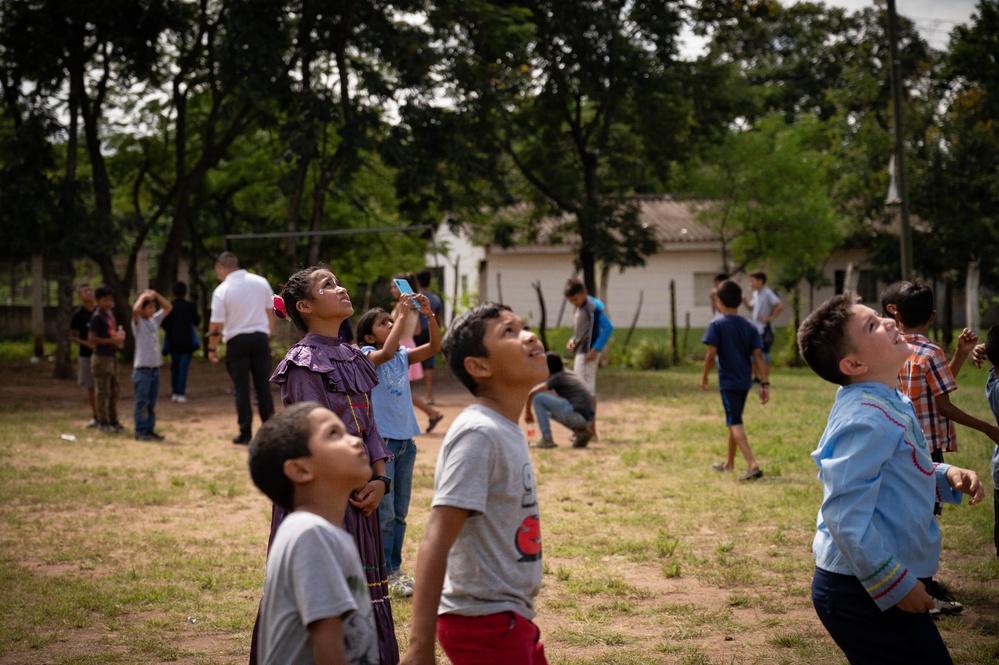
[{"x": 64, "y": 289}]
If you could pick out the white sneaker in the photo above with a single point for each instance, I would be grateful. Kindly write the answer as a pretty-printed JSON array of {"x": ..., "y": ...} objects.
[
  {"x": 94, "y": 423},
  {"x": 180, "y": 399},
  {"x": 173, "y": 398}
]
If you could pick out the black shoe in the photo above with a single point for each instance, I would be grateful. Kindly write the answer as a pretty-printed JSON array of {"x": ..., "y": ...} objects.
[{"x": 242, "y": 439}]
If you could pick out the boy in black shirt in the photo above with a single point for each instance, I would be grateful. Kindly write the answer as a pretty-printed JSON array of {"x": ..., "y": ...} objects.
[{"x": 564, "y": 398}]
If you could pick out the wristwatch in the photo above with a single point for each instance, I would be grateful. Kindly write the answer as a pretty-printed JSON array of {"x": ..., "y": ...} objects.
[{"x": 387, "y": 481}]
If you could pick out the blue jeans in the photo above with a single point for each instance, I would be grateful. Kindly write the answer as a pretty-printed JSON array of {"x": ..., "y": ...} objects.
[
  {"x": 147, "y": 388},
  {"x": 179, "y": 364},
  {"x": 394, "y": 506},
  {"x": 865, "y": 633},
  {"x": 549, "y": 406}
]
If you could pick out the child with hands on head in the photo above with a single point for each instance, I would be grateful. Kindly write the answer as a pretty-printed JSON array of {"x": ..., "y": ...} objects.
[
  {"x": 876, "y": 536},
  {"x": 304, "y": 460},
  {"x": 380, "y": 336},
  {"x": 321, "y": 368}
]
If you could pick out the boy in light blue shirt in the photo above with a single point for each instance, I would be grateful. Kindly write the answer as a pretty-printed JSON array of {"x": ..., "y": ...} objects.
[{"x": 876, "y": 536}]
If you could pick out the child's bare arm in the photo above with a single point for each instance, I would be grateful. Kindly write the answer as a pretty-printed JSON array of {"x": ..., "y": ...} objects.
[
  {"x": 431, "y": 348},
  {"x": 431, "y": 563},
  {"x": 948, "y": 409},
  {"x": 709, "y": 362},
  {"x": 387, "y": 352},
  {"x": 966, "y": 342},
  {"x": 326, "y": 638}
]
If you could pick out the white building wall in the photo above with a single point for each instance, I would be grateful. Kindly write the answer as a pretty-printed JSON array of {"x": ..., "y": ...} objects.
[{"x": 460, "y": 261}]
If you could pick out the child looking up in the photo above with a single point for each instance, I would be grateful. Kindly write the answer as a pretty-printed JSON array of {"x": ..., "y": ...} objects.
[
  {"x": 876, "y": 536},
  {"x": 321, "y": 368},
  {"x": 304, "y": 460},
  {"x": 564, "y": 398},
  {"x": 737, "y": 345},
  {"x": 479, "y": 564},
  {"x": 146, "y": 320},
  {"x": 926, "y": 378},
  {"x": 393, "y": 406}
]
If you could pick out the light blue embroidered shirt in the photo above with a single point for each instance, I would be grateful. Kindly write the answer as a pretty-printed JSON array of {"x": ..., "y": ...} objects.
[{"x": 879, "y": 486}]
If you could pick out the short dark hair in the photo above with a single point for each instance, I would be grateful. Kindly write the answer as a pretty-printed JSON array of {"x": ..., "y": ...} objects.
[
  {"x": 367, "y": 324},
  {"x": 180, "y": 289},
  {"x": 760, "y": 275},
  {"x": 103, "y": 291},
  {"x": 721, "y": 277},
  {"x": 822, "y": 338},
  {"x": 730, "y": 293},
  {"x": 424, "y": 278},
  {"x": 992, "y": 345},
  {"x": 464, "y": 340},
  {"x": 283, "y": 437},
  {"x": 227, "y": 260},
  {"x": 296, "y": 290},
  {"x": 555, "y": 364},
  {"x": 889, "y": 296},
  {"x": 573, "y": 286},
  {"x": 915, "y": 304}
]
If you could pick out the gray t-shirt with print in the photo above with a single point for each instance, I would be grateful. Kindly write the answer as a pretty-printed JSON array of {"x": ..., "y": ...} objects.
[
  {"x": 314, "y": 572},
  {"x": 147, "y": 341},
  {"x": 495, "y": 563}
]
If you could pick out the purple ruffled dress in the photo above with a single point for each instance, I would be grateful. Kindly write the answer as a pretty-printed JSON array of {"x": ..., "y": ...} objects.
[{"x": 338, "y": 376}]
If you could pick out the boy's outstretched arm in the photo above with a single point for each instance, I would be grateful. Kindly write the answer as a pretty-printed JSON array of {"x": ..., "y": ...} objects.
[
  {"x": 326, "y": 638},
  {"x": 431, "y": 564},
  {"x": 966, "y": 342},
  {"x": 709, "y": 362},
  {"x": 948, "y": 409}
]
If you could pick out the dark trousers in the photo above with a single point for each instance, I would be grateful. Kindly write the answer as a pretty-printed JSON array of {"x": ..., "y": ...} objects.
[
  {"x": 250, "y": 355},
  {"x": 866, "y": 634}
]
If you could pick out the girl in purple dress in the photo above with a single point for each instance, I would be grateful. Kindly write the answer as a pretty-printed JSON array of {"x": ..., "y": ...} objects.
[{"x": 321, "y": 368}]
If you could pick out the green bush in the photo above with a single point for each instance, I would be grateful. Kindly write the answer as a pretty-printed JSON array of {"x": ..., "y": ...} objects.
[{"x": 651, "y": 355}]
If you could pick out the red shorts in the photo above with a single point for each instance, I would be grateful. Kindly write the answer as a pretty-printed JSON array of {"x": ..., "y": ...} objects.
[{"x": 505, "y": 637}]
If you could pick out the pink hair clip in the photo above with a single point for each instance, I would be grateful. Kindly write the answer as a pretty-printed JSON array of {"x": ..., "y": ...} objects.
[{"x": 279, "y": 309}]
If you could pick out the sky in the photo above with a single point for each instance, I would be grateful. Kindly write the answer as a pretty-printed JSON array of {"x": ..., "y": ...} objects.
[{"x": 934, "y": 18}]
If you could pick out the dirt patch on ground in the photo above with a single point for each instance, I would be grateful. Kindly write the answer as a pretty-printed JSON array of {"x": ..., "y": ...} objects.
[{"x": 684, "y": 614}]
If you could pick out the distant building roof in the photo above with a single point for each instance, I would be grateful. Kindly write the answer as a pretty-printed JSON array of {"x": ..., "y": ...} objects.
[{"x": 674, "y": 222}]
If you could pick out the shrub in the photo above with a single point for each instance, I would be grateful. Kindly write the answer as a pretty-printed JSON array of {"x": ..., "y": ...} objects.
[{"x": 651, "y": 355}]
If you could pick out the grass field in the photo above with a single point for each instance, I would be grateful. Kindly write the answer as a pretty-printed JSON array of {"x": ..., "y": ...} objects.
[{"x": 117, "y": 551}]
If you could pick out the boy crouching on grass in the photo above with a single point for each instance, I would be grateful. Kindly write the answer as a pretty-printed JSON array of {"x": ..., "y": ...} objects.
[
  {"x": 876, "y": 537},
  {"x": 478, "y": 569},
  {"x": 316, "y": 607}
]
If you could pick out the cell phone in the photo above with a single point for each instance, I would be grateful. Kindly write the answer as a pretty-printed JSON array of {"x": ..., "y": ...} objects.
[{"x": 404, "y": 287}]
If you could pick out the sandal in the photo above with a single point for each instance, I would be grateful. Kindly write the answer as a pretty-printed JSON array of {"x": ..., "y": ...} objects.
[{"x": 433, "y": 422}]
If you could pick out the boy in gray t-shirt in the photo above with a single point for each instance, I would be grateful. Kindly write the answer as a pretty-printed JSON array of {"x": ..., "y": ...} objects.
[
  {"x": 479, "y": 565},
  {"x": 316, "y": 606}
]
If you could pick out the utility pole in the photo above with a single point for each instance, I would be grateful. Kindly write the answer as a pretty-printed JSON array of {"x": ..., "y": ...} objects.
[{"x": 896, "y": 96}]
